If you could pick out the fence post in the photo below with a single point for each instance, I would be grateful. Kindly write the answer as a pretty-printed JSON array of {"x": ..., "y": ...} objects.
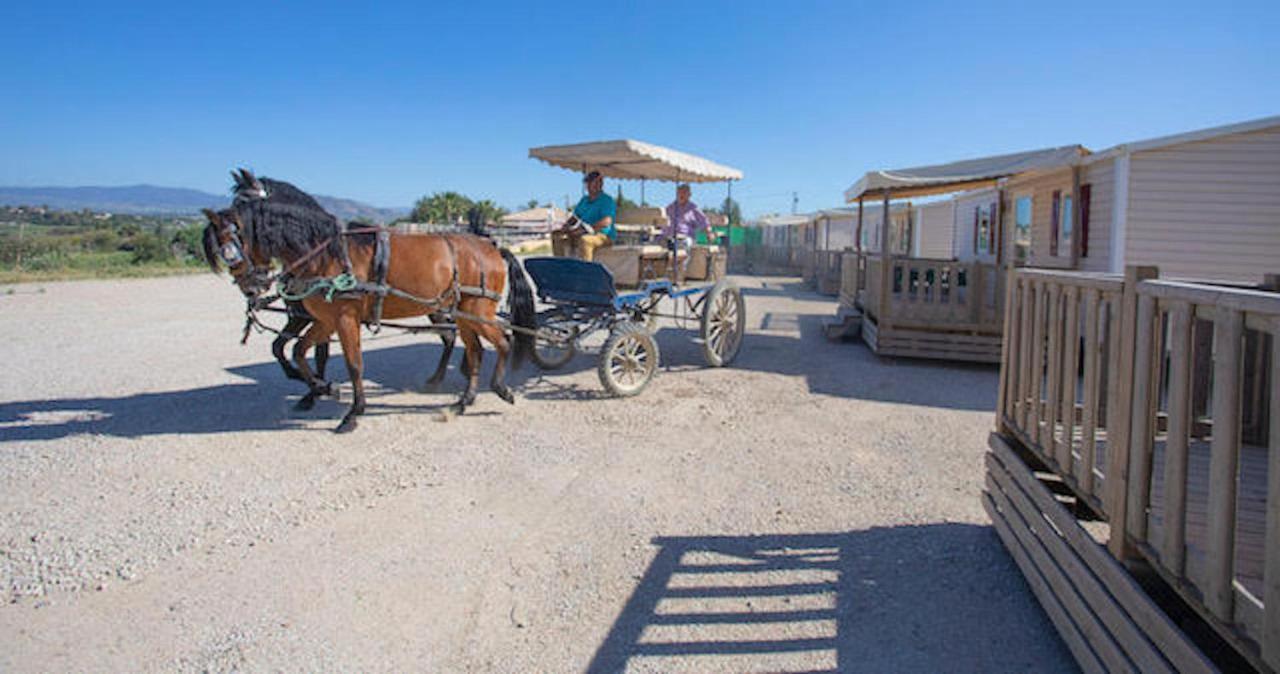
[
  {"x": 1008, "y": 353},
  {"x": 1118, "y": 419},
  {"x": 886, "y": 289}
]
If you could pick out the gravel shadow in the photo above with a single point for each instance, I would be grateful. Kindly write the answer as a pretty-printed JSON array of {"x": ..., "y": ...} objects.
[{"x": 938, "y": 597}]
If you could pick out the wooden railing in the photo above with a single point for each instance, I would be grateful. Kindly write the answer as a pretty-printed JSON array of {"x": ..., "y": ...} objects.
[
  {"x": 827, "y": 275},
  {"x": 1046, "y": 403},
  {"x": 932, "y": 294},
  {"x": 853, "y": 278},
  {"x": 1154, "y": 400}
]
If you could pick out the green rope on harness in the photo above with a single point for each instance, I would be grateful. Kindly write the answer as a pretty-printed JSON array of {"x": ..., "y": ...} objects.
[{"x": 329, "y": 286}]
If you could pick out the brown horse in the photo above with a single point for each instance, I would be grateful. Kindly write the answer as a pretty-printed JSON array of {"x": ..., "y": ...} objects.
[
  {"x": 428, "y": 274},
  {"x": 251, "y": 273}
]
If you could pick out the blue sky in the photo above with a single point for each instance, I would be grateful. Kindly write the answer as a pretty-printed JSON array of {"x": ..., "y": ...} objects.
[{"x": 387, "y": 102}]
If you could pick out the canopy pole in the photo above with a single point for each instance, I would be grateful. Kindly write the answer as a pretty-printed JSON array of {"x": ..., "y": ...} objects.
[
  {"x": 886, "y": 267},
  {"x": 642, "y": 201},
  {"x": 857, "y": 236}
]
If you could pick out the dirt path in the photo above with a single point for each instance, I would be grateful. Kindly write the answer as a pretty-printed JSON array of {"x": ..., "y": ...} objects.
[{"x": 162, "y": 507}]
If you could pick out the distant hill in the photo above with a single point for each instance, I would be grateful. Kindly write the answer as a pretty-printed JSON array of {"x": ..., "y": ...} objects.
[{"x": 153, "y": 200}]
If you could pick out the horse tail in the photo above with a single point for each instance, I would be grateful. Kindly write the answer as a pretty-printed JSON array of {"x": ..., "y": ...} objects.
[{"x": 523, "y": 312}]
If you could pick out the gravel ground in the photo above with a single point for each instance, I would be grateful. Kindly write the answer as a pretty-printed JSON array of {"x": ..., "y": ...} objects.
[{"x": 812, "y": 508}]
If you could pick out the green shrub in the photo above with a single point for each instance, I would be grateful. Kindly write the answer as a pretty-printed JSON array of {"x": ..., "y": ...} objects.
[{"x": 150, "y": 248}]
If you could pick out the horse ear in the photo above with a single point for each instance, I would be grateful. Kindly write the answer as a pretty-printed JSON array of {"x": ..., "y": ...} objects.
[
  {"x": 252, "y": 183},
  {"x": 209, "y": 242},
  {"x": 209, "y": 213},
  {"x": 236, "y": 178}
]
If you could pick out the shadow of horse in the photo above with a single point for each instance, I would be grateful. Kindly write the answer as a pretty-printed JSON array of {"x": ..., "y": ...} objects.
[
  {"x": 938, "y": 597},
  {"x": 263, "y": 403}
]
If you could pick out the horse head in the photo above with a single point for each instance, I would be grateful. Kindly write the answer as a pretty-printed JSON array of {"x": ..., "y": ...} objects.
[{"x": 223, "y": 243}]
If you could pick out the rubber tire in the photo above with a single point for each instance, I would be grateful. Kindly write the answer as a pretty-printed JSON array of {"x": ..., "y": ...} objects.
[
  {"x": 622, "y": 332},
  {"x": 723, "y": 290},
  {"x": 553, "y": 363},
  {"x": 558, "y": 361}
]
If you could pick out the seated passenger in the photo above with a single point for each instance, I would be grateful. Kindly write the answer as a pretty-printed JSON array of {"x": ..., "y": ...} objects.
[
  {"x": 684, "y": 219},
  {"x": 591, "y": 225}
]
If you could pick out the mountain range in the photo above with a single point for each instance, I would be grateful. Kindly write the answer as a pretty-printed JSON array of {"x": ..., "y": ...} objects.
[{"x": 154, "y": 200}]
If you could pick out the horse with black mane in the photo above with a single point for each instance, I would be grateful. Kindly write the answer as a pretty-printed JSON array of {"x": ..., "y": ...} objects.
[{"x": 347, "y": 277}]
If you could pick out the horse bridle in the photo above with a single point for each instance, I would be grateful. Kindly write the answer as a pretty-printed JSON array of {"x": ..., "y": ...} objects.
[{"x": 254, "y": 280}]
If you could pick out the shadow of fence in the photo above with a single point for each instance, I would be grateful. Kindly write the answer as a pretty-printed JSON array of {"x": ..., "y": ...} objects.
[{"x": 940, "y": 597}]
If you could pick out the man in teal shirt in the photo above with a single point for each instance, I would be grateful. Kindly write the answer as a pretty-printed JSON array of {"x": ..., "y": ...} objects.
[{"x": 591, "y": 226}]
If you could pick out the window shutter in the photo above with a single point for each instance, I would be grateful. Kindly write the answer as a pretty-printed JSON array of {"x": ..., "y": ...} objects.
[
  {"x": 977, "y": 214},
  {"x": 991, "y": 230},
  {"x": 1053, "y": 223},
  {"x": 1086, "y": 192}
]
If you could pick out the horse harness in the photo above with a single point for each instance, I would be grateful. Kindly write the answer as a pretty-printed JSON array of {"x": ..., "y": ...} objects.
[{"x": 345, "y": 286}]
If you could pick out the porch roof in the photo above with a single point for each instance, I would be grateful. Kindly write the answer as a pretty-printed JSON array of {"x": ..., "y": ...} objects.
[{"x": 960, "y": 175}]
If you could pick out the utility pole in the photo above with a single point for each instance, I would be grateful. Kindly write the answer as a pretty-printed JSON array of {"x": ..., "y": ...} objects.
[
  {"x": 22, "y": 231},
  {"x": 795, "y": 202}
]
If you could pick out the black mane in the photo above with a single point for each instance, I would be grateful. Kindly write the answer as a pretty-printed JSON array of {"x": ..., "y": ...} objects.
[{"x": 288, "y": 223}]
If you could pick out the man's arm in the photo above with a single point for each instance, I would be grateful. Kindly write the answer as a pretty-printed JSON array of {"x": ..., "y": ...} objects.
[
  {"x": 610, "y": 212},
  {"x": 701, "y": 222}
]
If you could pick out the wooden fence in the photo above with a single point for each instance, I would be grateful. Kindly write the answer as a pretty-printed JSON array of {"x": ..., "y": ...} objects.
[
  {"x": 1152, "y": 400},
  {"x": 930, "y": 294}
]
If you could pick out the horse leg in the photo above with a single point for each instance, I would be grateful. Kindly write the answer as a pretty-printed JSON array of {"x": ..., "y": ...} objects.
[
  {"x": 495, "y": 336},
  {"x": 474, "y": 352},
  {"x": 317, "y": 387},
  {"x": 448, "y": 339},
  {"x": 291, "y": 331},
  {"x": 349, "y": 335},
  {"x": 322, "y": 357}
]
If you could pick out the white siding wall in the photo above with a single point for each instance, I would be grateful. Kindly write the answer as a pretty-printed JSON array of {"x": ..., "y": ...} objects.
[
  {"x": 934, "y": 223},
  {"x": 1101, "y": 176},
  {"x": 836, "y": 233},
  {"x": 962, "y": 223},
  {"x": 1208, "y": 209}
]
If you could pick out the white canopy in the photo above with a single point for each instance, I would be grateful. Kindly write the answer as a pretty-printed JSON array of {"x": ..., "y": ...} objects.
[
  {"x": 960, "y": 175},
  {"x": 632, "y": 159}
]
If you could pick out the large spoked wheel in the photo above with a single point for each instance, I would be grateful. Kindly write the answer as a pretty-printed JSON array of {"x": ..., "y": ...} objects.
[
  {"x": 724, "y": 322},
  {"x": 551, "y": 355},
  {"x": 628, "y": 359}
]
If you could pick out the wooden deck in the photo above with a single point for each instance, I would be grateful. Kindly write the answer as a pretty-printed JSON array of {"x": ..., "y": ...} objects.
[
  {"x": 1152, "y": 401},
  {"x": 939, "y": 309}
]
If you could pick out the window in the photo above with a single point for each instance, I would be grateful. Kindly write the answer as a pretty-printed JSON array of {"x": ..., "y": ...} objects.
[
  {"x": 1067, "y": 225},
  {"x": 984, "y": 229},
  {"x": 1022, "y": 228}
]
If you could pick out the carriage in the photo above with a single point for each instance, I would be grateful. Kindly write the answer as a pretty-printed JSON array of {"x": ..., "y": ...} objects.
[{"x": 582, "y": 298}]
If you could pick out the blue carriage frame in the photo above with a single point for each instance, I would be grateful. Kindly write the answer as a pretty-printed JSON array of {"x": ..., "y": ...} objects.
[{"x": 582, "y": 298}]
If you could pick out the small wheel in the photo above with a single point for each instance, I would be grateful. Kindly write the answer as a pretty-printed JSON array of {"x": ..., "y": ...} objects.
[
  {"x": 551, "y": 356},
  {"x": 724, "y": 322},
  {"x": 628, "y": 359}
]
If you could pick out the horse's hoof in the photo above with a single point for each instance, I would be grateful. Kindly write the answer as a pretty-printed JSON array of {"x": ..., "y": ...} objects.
[
  {"x": 348, "y": 424},
  {"x": 506, "y": 394},
  {"x": 306, "y": 403}
]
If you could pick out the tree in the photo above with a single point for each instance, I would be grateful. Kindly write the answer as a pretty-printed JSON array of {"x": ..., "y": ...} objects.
[
  {"x": 489, "y": 211},
  {"x": 622, "y": 202},
  {"x": 441, "y": 208},
  {"x": 532, "y": 203},
  {"x": 731, "y": 210}
]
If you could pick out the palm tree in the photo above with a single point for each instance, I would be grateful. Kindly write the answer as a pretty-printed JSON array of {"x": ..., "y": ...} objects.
[{"x": 441, "y": 208}]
